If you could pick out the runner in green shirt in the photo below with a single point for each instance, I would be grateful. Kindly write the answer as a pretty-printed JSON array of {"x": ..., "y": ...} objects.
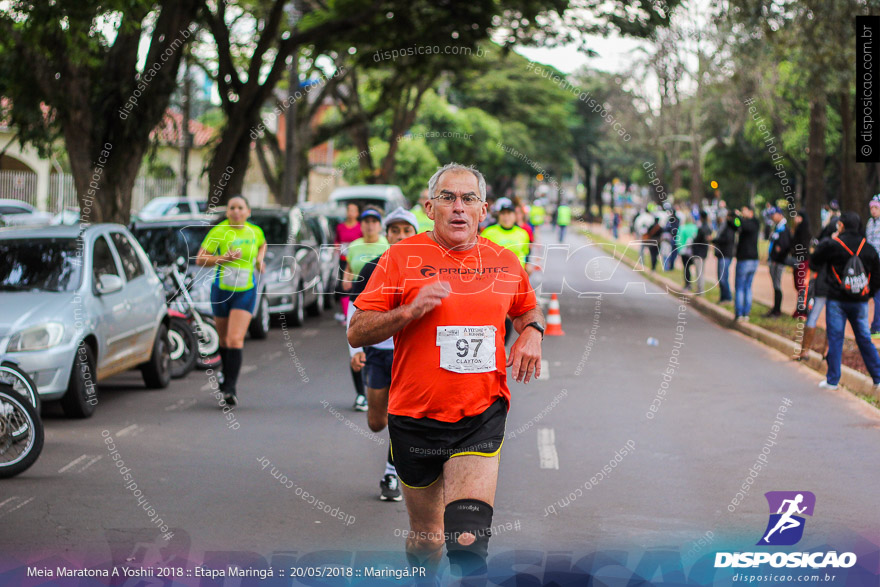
[
  {"x": 507, "y": 234},
  {"x": 563, "y": 219},
  {"x": 236, "y": 247}
]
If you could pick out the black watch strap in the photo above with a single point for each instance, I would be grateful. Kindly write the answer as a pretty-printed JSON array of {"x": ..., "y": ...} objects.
[{"x": 537, "y": 326}]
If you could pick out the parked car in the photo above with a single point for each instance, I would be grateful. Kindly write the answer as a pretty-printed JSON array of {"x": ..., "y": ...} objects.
[
  {"x": 324, "y": 231},
  {"x": 293, "y": 282},
  {"x": 19, "y": 213},
  {"x": 386, "y": 197},
  {"x": 166, "y": 239},
  {"x": 171, "y": 206},
  {"x": 81, "y": 304}
]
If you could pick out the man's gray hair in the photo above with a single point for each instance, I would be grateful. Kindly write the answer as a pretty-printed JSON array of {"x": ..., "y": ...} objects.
[{"x": 435, "y": 179}]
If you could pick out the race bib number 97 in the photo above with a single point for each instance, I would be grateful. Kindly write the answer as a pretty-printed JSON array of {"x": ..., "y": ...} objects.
[{"x": 467, "y": 349}]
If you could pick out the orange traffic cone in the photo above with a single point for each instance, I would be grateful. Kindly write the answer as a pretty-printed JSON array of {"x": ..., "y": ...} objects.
[{"x": 554, "y": 319}]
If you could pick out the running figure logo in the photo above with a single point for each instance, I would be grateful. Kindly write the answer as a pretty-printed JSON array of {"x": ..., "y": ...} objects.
[{"x": 786, "y": 526}]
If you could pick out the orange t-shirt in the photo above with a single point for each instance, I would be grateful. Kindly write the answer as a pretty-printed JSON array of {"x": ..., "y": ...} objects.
[{"x": 487, "y": 283}]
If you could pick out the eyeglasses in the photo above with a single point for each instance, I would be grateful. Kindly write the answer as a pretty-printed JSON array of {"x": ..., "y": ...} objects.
[{"x": 466, "y": 199}]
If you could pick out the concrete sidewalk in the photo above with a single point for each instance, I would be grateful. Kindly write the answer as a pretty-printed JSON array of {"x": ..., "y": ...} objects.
[{"x": 762, "y": 286}]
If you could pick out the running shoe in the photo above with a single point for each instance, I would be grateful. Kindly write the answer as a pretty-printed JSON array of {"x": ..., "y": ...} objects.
[
  {"x": 390, "y": 488},
  {"x": 825, "y": 385},
  {"x": 230, "y": 399},
  {"x": 360, "y": 403}
]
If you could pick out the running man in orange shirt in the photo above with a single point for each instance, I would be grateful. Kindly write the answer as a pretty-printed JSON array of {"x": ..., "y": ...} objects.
[{"x": 443, "y": 295}]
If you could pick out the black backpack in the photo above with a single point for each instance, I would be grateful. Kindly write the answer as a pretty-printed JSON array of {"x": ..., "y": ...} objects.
[{"x": 855, "y": 282}]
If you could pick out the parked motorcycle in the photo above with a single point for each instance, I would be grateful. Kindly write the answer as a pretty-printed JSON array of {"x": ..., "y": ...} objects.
[
  {"x": 13, "y": 375},
  {"x": 192, "y": 337},
  {"x": 21, "y": 432}
]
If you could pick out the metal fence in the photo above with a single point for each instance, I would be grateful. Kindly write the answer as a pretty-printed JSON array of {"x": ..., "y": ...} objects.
[
  {"x": 19, "y": 185},
  {"x": 22, "y": 185}
]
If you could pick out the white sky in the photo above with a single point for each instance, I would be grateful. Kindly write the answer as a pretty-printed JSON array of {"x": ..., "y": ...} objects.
[{"x": 615, "y": 54}]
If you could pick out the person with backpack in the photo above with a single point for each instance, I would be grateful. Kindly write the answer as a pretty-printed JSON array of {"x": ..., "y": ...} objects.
[
  {"x": 652, "y": 242},
  {"x": 780, "y": 244},
  {"x": 745, "y": 223},
  {"x": 852, "y": 277},
  {"x": 724, "y": 243}
]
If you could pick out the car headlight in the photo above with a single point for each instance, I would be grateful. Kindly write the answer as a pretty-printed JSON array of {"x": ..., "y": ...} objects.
[{"x": 36, "y": 338}]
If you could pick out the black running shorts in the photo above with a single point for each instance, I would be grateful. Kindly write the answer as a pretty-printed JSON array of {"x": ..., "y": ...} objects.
[{"x": 420, "y": 446}]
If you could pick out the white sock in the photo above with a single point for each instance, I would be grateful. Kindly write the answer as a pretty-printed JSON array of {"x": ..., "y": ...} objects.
[{"x": 389, "y": 469}]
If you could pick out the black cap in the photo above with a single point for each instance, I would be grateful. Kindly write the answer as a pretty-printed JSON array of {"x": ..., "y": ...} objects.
[{"x": 850, "y": 221}]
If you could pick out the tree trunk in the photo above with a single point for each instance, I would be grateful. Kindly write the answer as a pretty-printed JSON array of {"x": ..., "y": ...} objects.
[
  {"x": 290, "y": 178},
  {"x": 815, "y": 188},
  {"x": 230, "y": 160},
  {"x": 696, "y": 171}
]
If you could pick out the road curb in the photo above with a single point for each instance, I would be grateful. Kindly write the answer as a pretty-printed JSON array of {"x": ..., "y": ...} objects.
[{"x": 849, "y": 377}]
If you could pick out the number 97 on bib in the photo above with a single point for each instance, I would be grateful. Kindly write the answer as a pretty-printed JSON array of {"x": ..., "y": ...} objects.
[{"x": 467, "y": 349}]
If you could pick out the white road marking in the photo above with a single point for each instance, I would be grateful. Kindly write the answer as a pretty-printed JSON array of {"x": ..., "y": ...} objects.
[
  {"x": 545, "y": 370},
  {"x": 206, "y": 387},
  {"x": 90, "y": 463},
  {"x": 72, "y": 463},
  {"x": 547, "y": 449},
  {"x": 274, "y": 355},
  {"x": 5, "y": 501},
  {"x": 181, "y": 404},
  {"x": 307, "y": 332},
  {"x": 127, "y": 430},
  {"x": 22, "y": 504},
  {"x": 248, "y": 369}
]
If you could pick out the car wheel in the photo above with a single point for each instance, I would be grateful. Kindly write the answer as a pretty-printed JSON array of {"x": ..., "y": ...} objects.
[
  {"x": 259, "y": 327},
  {"x": 157, "y": 371},
  {"x": 316, "y": 308},
  {"x": 81, "y": 397},
  {"x": 298, "y": 317}
]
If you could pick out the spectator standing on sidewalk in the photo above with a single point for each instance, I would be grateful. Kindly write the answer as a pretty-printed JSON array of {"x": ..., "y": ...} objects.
[
  {"x": 849, "y": 289},
  {"x": 872, "y": 233},
  {"x": 672, "y": 229},
  {"x": 800, "y": 253},
  {"x": 745, "y": 223},
  {"x": 724, "y": 243},
  {"x": 652, "y": 238},
  {"x": 684, "y": 243},
  {"x": 780, "y": 243},
  {"x": 700, "y": 250}
]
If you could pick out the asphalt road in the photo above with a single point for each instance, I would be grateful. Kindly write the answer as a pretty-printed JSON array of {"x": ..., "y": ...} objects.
[{"x": 211, "y": 481}]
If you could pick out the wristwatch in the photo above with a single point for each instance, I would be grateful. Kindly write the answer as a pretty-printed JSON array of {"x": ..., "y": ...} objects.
[{"x": 537, "y": 326}]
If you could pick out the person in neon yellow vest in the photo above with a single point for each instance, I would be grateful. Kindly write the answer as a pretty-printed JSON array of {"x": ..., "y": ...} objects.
[
  {"x": 507, "y": 234},
  {"x": 536, "y": 214},
  {"x": 425, "y": 223},
  {"x": 563, "y": 219}
]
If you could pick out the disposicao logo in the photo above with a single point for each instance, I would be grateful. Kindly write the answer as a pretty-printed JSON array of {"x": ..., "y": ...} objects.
[{"x": 786, "y": 528}]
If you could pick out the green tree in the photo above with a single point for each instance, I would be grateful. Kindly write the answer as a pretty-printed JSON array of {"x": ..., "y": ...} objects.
[{"x": 70, "y": 70}]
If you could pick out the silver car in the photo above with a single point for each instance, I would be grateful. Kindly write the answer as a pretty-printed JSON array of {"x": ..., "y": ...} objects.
[{"x": 80, "y": 305}]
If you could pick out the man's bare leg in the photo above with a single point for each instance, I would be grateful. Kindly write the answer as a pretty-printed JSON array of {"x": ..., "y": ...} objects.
[
  {"x": 377, "y": 408},
  {"x": 424, "y": 545},
  {"x": 473, "y": 478}
]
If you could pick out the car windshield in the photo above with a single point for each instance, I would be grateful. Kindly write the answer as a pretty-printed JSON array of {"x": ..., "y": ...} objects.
[
  {"x": 46, "y": 264},
  {"x": 274, "y": 227},
  {"x": 164, "y": 244},
  {"x": 157, "y": 206}
]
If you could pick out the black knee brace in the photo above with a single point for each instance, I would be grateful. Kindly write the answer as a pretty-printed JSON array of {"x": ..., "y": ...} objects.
[{"x": 468, "y": 516}]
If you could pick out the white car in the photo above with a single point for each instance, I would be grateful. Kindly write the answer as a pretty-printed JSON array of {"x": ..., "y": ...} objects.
[
  {"x": 386, "y": 197},
  {"x": 18, "y": 213},
  {"x": 80, "y": 305},
  {"x": 171, "y": 206}
]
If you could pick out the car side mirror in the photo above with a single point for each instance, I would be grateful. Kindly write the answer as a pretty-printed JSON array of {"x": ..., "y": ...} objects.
[{"x": 108, "y": 284}]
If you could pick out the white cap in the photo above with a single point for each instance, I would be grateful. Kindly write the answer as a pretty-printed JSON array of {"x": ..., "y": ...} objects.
[
  {"x": 401, "y": 215},
  {"x": 502, "y": 203}
]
